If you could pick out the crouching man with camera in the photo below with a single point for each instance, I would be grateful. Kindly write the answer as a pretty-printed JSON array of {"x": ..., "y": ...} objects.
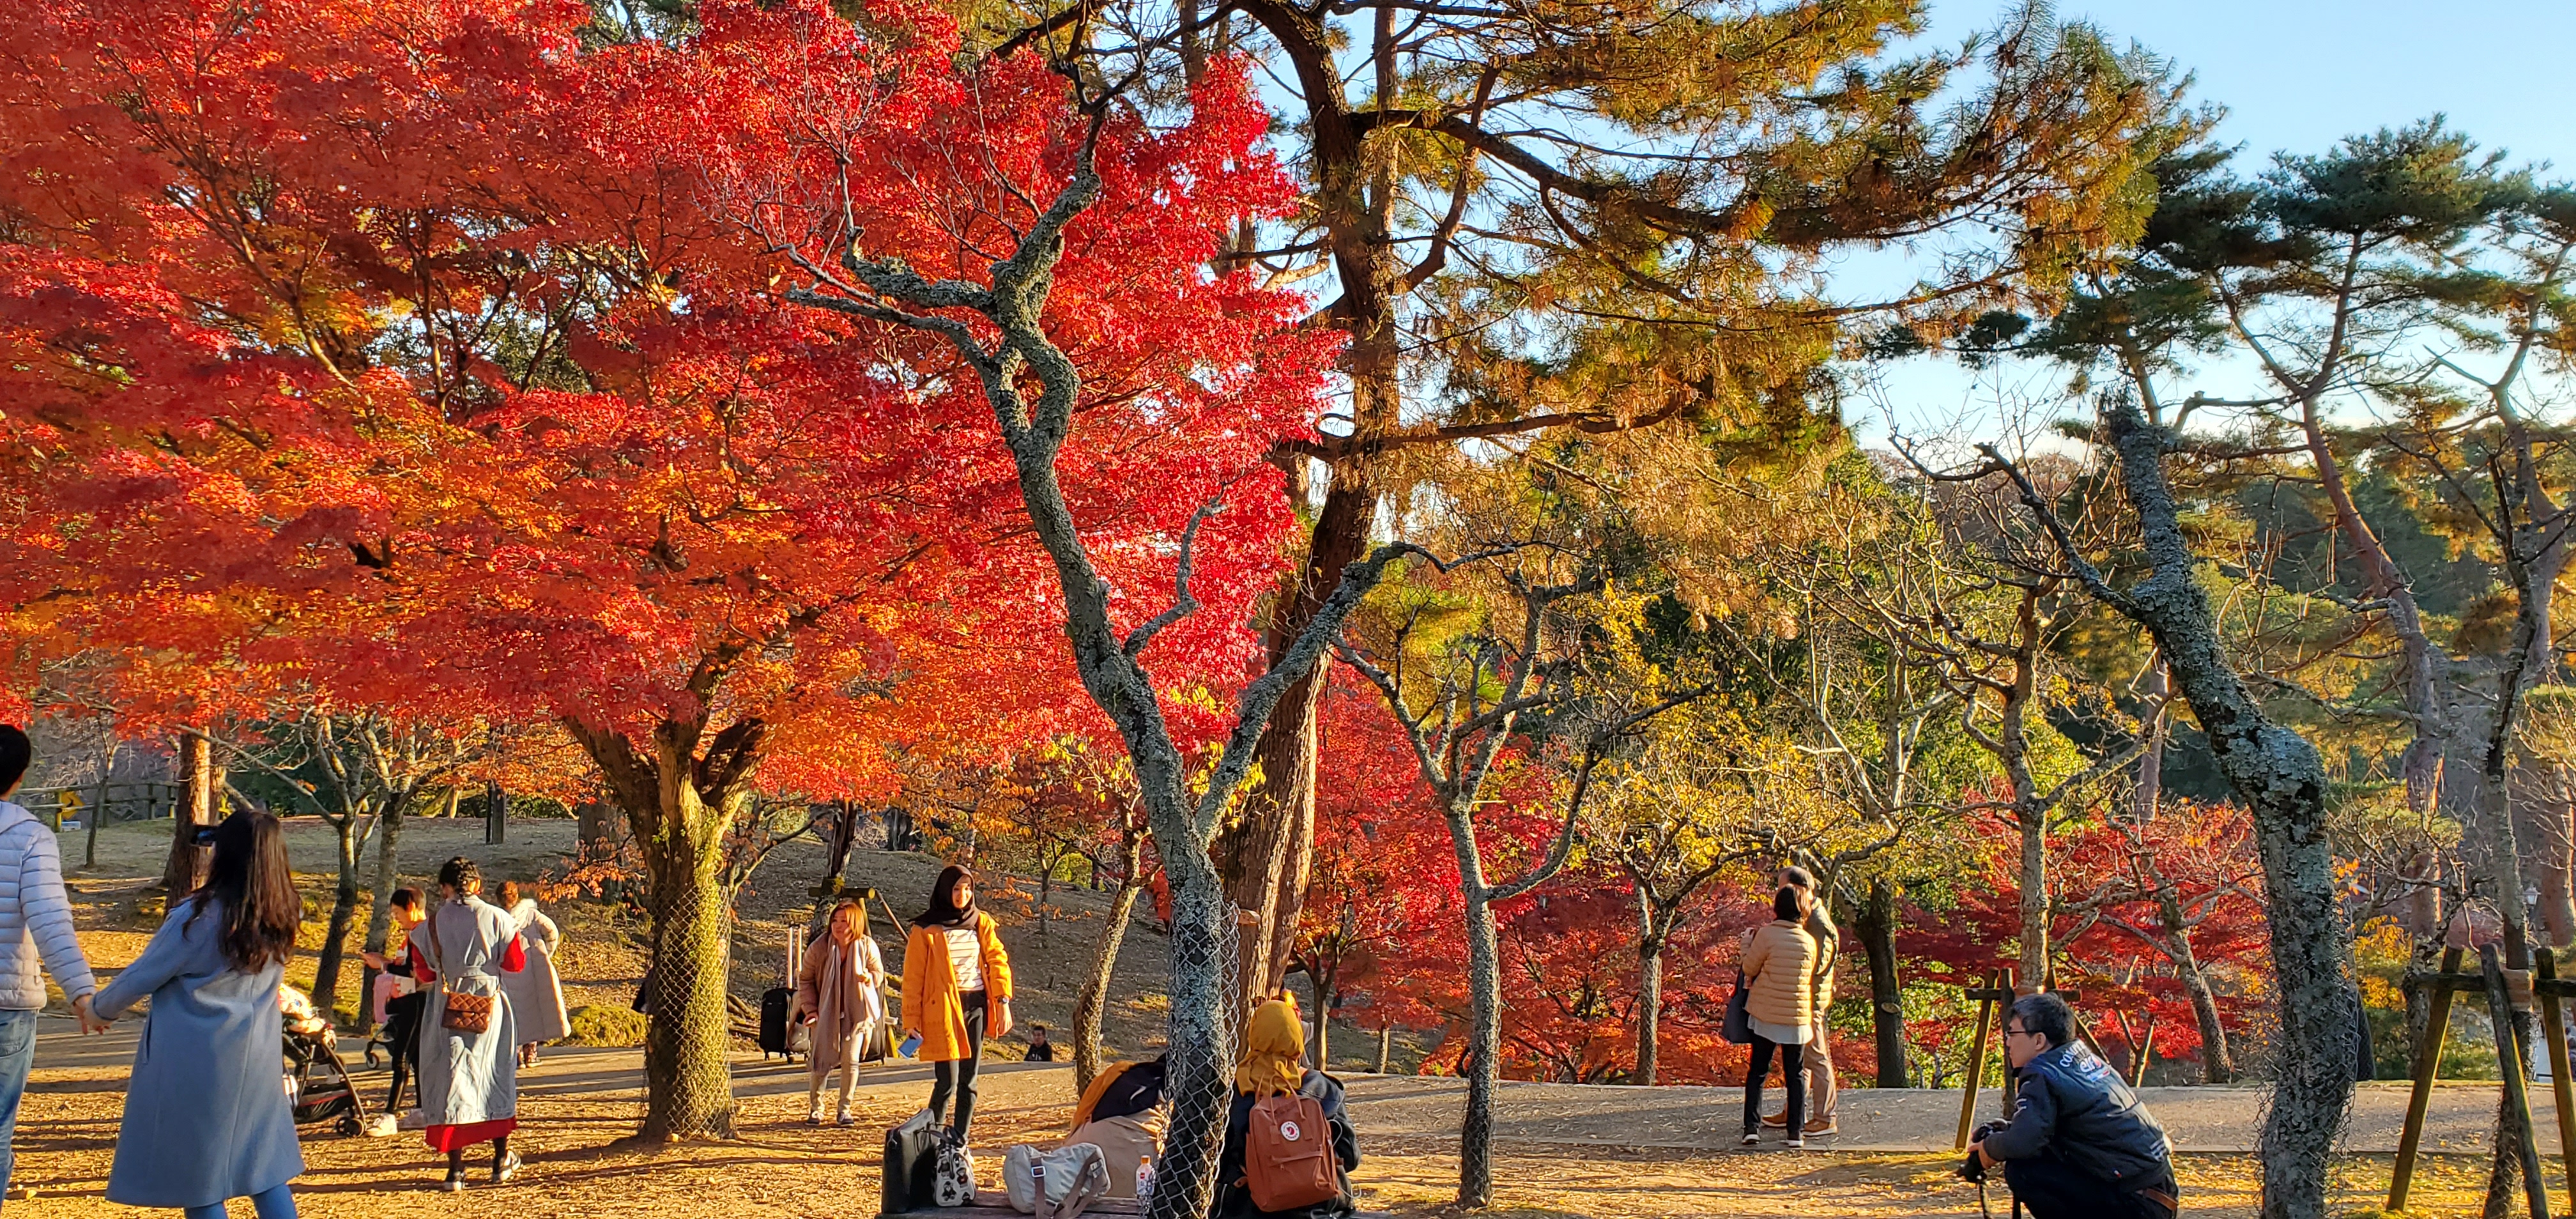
[{"x": 2078, "y": 1145}]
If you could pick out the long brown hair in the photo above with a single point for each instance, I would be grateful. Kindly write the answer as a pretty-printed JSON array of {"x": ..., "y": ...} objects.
[{"x": 249, "y": 881}]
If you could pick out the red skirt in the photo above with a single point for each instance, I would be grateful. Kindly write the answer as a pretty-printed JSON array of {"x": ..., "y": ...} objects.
[{"x": 458, "y": 1138}]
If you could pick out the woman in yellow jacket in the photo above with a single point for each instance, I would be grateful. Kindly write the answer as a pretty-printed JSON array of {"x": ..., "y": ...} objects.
[
  {"x": 1781, "y": 974},
  {"x": 956, "y": 991}
]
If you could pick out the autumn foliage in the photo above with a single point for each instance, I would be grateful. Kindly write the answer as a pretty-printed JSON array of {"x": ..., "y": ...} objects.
[{"x": 434, "y": 356}]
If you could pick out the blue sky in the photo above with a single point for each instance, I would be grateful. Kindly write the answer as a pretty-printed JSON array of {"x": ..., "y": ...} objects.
[{"x": 2299, "y": 75}]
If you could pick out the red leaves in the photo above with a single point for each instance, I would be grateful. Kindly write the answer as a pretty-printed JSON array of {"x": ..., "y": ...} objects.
[{"x": 422, "y": 353}]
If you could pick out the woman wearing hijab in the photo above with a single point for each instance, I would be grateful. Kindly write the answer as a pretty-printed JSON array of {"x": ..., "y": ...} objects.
[
  {"x": 956, "y": 992},
  {"x": 536, "y": 993},
  {"x": 469, "y": 1078},
  {"x": 205, "y": 1117},
  {"x": 1274, "y": 1064},
  {"x": 837, "y": 987}
]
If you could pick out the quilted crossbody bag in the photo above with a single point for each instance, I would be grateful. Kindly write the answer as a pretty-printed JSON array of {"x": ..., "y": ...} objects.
[{"x": 459, "y": 1010}]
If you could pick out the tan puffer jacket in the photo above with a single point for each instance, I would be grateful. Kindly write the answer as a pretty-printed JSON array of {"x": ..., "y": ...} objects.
[{"x": 1780, "y": 967}]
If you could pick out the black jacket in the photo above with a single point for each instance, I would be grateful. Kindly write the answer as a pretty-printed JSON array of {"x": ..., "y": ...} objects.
[
  {"x": 1233, "y": 1201},
  {"x": 2075, "y": 1107}
]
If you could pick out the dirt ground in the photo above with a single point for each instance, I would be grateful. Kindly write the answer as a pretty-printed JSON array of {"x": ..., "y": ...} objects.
[
  {"x": 603, "y": 957},
  {"x": 581, "y": 1163}
]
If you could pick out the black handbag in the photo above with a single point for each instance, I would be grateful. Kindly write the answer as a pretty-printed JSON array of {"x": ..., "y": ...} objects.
[
  {"x": 911, "y": 1164},
  {"x": 1738, "y": 1028}
]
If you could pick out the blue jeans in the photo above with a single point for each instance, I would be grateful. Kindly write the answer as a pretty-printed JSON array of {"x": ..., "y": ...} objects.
[
  {"x": 275, "y": 1202},
  {"x": 17, "y": 1055}
]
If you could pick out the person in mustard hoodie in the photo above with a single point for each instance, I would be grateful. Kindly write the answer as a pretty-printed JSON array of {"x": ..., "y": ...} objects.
[{"x": 956, "y": 992}]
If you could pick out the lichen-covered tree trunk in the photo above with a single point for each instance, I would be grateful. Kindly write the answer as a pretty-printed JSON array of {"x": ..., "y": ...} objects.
[
  {"x": 1484, "y": 1047},
  {"x": 1198, "y": 1076},
  {"x": 2279, "y": 776},
  {"x": 682, "y": 791},
  {"x": 688, "y": 1075}
]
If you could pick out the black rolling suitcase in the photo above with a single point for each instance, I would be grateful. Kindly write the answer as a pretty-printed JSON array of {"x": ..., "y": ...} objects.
[
  {"x": 911, "y": 1164},
  {"x": 774, "y": 1004}
]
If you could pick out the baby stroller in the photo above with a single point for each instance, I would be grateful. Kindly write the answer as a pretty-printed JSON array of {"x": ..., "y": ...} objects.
[{"x": 322, "y": 1090}]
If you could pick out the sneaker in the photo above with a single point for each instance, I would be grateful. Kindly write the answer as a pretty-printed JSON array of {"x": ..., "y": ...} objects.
[
  {"x": 845, "y": 1120},
  {"x": 1776, "y": 1119},
  {"x": 455, "y": 1183},
  {"x": 1822, "y": 1125},
  {"x": 814, "y": 1118},
  {"x": 506, "y": 1169},
  {"x": 1797, "y": 1144},
  {"x": 1750, "y": 1138}
]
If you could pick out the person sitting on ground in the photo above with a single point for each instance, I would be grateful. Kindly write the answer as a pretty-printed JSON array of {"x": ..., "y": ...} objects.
[
  {"x": 1274, "y": 1055},
  {"x": 1121, "y": 1113},
  {"x": 1040, "y": 1049},
  {"x": 2079, "y": 1145}
]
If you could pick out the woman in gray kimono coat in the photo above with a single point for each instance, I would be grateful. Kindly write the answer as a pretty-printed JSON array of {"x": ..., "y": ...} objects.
[
  {"x": 206, "y": 1116},
  {"x": 469, "y": 1081}
]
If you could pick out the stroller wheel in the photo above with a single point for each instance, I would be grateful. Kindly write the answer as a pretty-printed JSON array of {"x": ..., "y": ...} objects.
[{"x": 350, "y": 1126}]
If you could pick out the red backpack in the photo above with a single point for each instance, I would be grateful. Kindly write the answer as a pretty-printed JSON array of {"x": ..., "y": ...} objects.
[{"x": 1288, "y": 1160}]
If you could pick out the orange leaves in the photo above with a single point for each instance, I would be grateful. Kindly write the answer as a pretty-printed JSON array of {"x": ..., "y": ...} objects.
[{"x": 433, "y": 357}]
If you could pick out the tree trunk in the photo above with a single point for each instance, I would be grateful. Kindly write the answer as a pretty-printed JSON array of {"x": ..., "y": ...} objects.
[
  {"x": 496, "y": 816},
  {"x": 2279, "y": 776},
  {"x": 106, "y": 772},
  {"x": 1650, "y": 989},
  {"x": 2151, "y": 761},
  {"x": 1876, "y": 928},
  {"x": 1093, "y": 1001},
  {"x": 344, "y": 911},
  {"x": 2217, "y": 1066},
  {"x": 688, "y": 1080},
  {"x": 186, "y": 868},
  {"x": 2034, "y": 898},
  {"x": 1484, "y": 1049},
  {"x": 1199, "y": 1067},
  {"x": 1268, "y": 858},
  {"x": 380, "y": 905}
]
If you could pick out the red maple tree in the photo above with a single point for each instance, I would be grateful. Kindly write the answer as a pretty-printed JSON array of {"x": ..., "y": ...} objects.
[{"x": 420, "y": 354}]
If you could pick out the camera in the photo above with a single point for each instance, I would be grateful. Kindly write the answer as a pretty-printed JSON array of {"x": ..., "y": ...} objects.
[{"x": 1973, "y": 1168}]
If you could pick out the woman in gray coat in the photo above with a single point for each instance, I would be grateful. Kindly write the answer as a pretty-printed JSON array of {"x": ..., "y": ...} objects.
[
  {"x": 469, "y": 1078},
  {"x": 206, "y": 1116}
]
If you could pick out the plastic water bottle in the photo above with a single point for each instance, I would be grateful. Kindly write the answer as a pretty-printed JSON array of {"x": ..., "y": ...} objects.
[{"x": 1144, "y": 1184}]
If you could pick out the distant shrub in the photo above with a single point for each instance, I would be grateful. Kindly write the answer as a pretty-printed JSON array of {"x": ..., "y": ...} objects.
[{"x": 592, "y": 1024}]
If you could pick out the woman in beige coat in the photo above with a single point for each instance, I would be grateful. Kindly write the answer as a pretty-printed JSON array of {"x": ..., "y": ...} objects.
[
  {"x": 837, "y": 988},
  {"x": 1784, "y": 987}
]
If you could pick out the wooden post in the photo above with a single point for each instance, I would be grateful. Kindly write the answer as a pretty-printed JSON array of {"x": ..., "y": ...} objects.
[
  {"x": 2517, "y": 1099},
  {"x": 2553, "y": 1028},
  {"x": 1996, "y": 980},
  {"x": 2428, "y": 1063}
]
